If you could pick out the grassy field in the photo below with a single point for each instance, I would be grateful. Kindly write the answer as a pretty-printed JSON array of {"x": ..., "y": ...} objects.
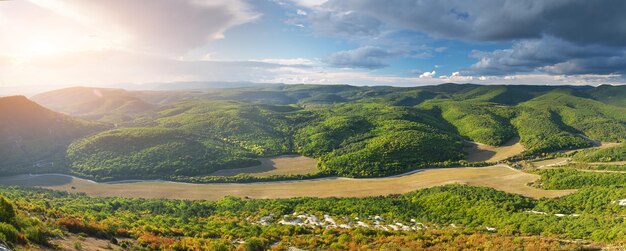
[
  {"x": 281, "y": 165},
  {"x": 550, "y": 162},
  {"x": 480, "y": 152},
  {"x": 498, "y": 177}
]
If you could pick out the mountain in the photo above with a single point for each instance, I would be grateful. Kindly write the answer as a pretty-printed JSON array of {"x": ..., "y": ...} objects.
[
  {"x": 194, "y": 85},
  {"x": 352, "y": 131},
  {"x": 111, "y": 105},
  {"x": 33, "y": 138}
]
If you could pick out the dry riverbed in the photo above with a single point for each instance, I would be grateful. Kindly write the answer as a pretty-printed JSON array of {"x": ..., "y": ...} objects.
[{"x": 499, "y": 177}]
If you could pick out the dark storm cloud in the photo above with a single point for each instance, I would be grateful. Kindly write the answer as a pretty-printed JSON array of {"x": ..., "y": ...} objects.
[
  {"x": 555, "y": 37},
  {"x": 345, "y": 23},
  {"x": 550, "y": 55},
  {"x": 368, "y": 57},
  {"x": 579, "y": 21},
  {"x": 598, "y": 65}
]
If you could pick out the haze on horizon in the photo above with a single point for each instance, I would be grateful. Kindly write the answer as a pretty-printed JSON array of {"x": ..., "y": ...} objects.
[{"x": 57, "y": 43}]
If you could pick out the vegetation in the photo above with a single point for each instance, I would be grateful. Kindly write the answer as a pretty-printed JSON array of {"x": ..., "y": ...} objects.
[
  {"x": 487, "y": 123},
  {"x": 151, "y": 153},
  {"x": 34, "y": 139},
  {"x": 568, "y": 178},
  {"x": 260, "y": 129},
  {"x": 447, "y": 216},
  {"x": 352, "y": 131},
  {"x": 541, "y": 132},
  {"x": 617, "y": 153},
  {"x": 368, "y": 140}
]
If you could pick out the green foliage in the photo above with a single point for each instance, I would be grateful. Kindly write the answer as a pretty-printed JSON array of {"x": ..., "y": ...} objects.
[
  {"x": 541, "y": 132},
  {"x": 487, "y": 123},
  {"x": 368, "y": 140},
  {"x": 592, "y": 118},
  {"x": 330, "y": 134},
  {"x": 34, "y": 139},
  {"x": 9, "y": 232},
  {"x": 568, "y": 178},
  {"x": 7, "y": 212},
  {"x": 163, "y": 224},
  {"x": 353, "y": 131},
  {"x": 614, "y": 95},
  {"x": 391, "y": 153},
  {"x": 617, "y": 153},
  {"x": 261, "y": 129},
  {"x": 151, "y": 153}
]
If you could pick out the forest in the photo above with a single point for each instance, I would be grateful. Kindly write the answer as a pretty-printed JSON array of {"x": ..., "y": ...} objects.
[
  {"x": 450, "y": 216},
  {"x": 352, "y": 131}
]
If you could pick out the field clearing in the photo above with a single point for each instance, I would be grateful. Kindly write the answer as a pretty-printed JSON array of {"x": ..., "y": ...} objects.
[
  {"x": 550, "y": 162},
  {"x": 618, "y": 163},
  {"x": 600, "y": 145},
  {"x": 499, "y": 177},
  {"x": 281, "y": 165},
  {"x": 609, "y": 144},
  {"x": 478, "y": 152}
]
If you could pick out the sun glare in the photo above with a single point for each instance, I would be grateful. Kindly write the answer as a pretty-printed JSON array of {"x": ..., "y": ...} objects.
[{"x": 41, "y": 46}]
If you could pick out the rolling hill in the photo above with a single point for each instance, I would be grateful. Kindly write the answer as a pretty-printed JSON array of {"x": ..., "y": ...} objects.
[
  {"x": 33, "y": 138},
  {"x": 352, "y": 131}
]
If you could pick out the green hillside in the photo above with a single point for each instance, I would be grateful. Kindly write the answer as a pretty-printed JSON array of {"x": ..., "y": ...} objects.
[
  {"x": 34, "y": 139},
  {"x": 369, "y": 139},
  {"x": 483, "y": 122},
  {"x": 352, "y": 131},
  {"x": 152, "y": 153},
  {"x": 595, "y": 119},
  {"x": 617, "y": 153},
  {"x": 106, "y": 104},
  {"x": 261, "y": 129}
]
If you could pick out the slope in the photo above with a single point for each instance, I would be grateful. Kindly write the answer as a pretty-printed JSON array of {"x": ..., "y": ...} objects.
[{"x": 33, "y": 138}]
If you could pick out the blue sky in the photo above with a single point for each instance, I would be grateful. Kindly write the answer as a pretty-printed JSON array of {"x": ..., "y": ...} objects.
[{"x": 55, "y": 43}]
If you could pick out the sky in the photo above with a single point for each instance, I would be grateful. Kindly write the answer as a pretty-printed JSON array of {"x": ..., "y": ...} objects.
[{"x": 57, "y": 43}]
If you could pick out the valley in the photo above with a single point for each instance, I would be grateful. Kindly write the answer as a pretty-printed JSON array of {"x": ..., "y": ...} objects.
[
  {"x": 498, "y": 177},
  {"x": 229, "y": 167}
]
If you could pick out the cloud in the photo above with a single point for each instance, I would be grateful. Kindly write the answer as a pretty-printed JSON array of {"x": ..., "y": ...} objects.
[
  {"x": 104, "y": 68},
  {"x": 155, "y": 26},
  {"x": 550, "y": 55},
  {"x": 115, "y": 66},
  {"x": 368, "y": 57},
  {"x": 487, "y": 20},
  {"x": 309, "y": 3},
  {"x": 344, "y": 23},
  {"x": 428, "y": 74},
  {"x": 301, "y": 62},
  {"x": 554, "y": 37}
]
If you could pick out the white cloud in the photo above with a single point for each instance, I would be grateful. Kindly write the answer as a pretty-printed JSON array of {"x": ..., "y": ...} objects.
[
  {"x": 309, "y": 3},
  {"x": 289, "y": 61},
  {"x": 456, "y": 77},
  {"x": 154, "y": 26},
  {"x": 427, "y": 74}
]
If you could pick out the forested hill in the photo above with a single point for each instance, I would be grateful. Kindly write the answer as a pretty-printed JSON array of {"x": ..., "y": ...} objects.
[
  {"x": 353, "y": 131},
  {"x": 33, "y": 138}
]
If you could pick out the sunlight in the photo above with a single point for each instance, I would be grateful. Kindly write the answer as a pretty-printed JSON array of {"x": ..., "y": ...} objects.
[{"x": 41, "y": 46}]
